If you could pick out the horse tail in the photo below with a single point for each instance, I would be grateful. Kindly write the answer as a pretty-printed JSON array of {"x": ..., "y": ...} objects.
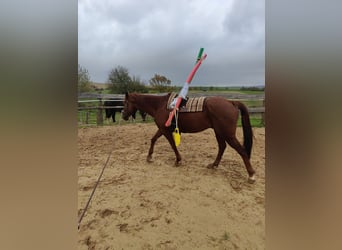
[{"x": 246, "y": 127}]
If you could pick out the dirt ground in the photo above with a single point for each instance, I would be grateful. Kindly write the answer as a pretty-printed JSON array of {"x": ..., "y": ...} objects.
[{"x": 140, "y": 205}]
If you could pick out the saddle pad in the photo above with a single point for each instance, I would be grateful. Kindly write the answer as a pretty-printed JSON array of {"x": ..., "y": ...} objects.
[{"x": 194, "y": 104}]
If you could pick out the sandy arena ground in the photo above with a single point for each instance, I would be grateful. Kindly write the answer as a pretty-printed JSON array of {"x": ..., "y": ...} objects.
[{"x": 140, "y": 205}]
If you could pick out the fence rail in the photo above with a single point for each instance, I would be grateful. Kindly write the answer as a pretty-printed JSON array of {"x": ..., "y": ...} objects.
[
  {"x": 257, "y": 110},
  {"x": 100, "y": 107}
]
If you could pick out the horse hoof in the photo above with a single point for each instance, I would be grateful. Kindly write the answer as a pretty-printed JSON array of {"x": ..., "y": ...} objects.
[
  {"x": 149, "y": 159},
  {"x": 178, "y": 163},
  {"x": 212, "y": 166},
  {"x": 251, "y": 179}
]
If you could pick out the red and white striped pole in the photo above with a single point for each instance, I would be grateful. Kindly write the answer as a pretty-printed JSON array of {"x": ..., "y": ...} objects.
[{"x": 184, "y": 90}]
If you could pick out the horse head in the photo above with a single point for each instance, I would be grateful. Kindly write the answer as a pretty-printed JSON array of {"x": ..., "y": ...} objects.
[{"x": 129, "y": 107}]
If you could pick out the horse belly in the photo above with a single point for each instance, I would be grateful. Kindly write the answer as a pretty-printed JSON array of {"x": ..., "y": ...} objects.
[{"x": 193, "y": 122}]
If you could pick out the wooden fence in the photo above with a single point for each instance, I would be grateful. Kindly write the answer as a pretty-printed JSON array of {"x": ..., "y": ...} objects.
[
  {"x": 98, "y": 108},
  {"x": 86, "y": 112}
]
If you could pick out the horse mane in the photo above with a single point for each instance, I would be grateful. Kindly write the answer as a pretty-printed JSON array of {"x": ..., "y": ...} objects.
[{"x": 150, "y": 97}]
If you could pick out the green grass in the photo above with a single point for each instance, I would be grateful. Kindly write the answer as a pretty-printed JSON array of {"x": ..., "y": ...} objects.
[
  {"x": 255, "y": 122},
  {"x": 92, "y": 116},
  {"x": 253, "y": 103},
  {"x": 92, "y": 119},
  {"x": 213, "y": 92},
  {"x": 240, "y": 90},
  {"x": 105, "y": 91},
  {"x": 83, "y": 115}
]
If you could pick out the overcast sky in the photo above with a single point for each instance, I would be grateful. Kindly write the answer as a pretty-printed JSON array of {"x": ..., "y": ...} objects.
[{"x": 163, "y": 37}]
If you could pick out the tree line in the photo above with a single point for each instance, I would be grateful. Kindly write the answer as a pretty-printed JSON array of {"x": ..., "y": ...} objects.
[{"x": 120, "y": 81}]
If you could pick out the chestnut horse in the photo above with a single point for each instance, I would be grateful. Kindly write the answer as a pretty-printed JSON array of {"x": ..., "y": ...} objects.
[{"x": 218, "y": 113}]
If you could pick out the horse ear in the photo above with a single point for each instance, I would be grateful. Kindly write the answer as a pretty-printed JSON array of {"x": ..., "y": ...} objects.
[{"x": 126, "y": 95}]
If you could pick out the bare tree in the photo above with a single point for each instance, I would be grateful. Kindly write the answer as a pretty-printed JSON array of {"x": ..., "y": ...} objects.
[
  {"x": 84, "y": 83},
  {"x": 160, "y": 83}
]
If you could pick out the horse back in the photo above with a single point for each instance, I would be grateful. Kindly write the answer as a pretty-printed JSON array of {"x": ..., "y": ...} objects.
[{"x": 219, "y": 108}]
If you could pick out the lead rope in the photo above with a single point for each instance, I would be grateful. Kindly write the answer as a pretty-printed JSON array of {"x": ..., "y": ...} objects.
[
  {"x": 176, "y": 117},
  {"x": 176, "y": 134},
  {"x": 92, "y": 193}
]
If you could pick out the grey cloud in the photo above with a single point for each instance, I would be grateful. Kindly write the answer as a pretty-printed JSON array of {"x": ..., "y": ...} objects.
[
  {"x": 149, "y": 37},
  {"x": 246, "y": 17}
]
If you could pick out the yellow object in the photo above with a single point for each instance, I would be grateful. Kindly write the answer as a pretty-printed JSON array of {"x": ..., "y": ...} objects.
[{"x": 176, "y": 137}]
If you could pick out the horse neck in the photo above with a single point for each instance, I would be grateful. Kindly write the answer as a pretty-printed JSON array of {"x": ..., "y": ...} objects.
[{"x": 149, "y": 103}]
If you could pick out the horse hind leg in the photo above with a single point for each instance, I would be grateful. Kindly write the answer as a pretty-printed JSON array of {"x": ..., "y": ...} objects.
[
  {"x": 234, "y": 143},
  {"x": 222, "y": 146}
]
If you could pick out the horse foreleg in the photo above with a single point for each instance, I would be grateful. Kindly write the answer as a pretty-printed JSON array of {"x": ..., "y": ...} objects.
[
  {"x": 234, "y": 143},
  {"x": 169, "y": 137},
  {"x": 153, "y": 141},
  {"x": 222, "y": 146}
]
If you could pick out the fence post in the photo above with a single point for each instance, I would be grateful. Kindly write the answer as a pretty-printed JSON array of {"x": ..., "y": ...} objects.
[
  {"x": 87, "y": 117},
  {"x": 99, "y": 119},
  {"x": 263, "y": 114}
]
